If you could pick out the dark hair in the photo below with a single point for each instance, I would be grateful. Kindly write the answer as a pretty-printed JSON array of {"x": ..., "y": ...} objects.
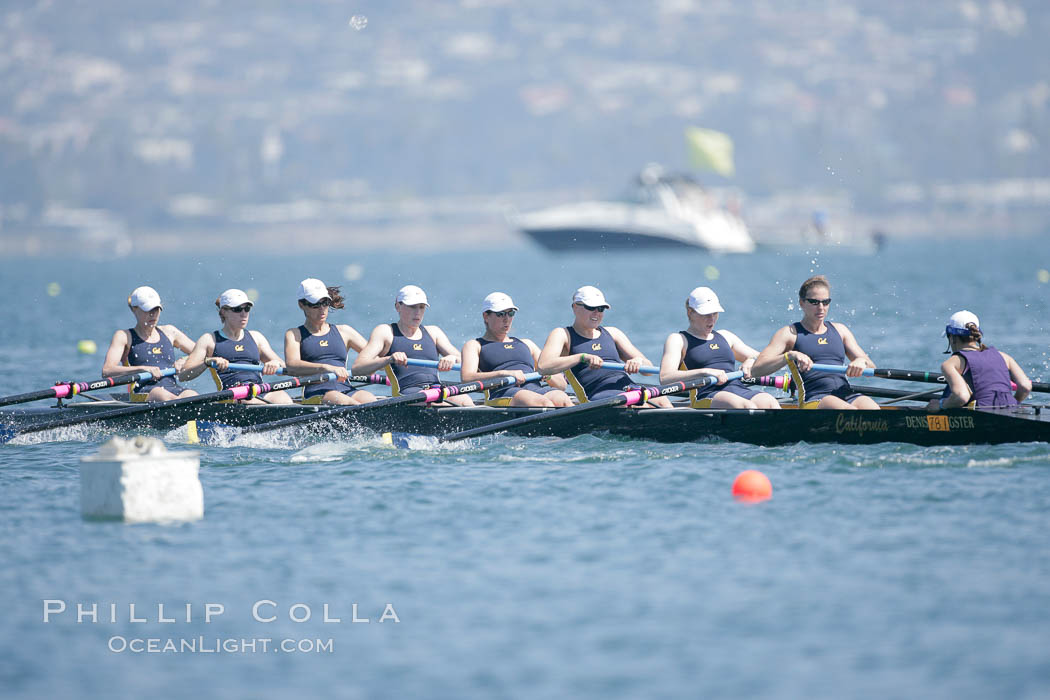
[
  {"x": 815, "y": 281},
  {"x": 975, "y": 335},
  {"x": 335, "y": 300}
]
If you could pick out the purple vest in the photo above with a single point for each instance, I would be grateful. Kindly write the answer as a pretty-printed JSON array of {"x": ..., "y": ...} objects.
[{"x": 988, "y": 377}]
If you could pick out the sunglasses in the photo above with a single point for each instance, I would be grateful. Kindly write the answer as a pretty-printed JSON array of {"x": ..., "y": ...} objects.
[
  {"x": 242, "y": 309},
  {"x": 594, "y": 308},
  {"x": 819, "y": 302},
  {"x": 504, "y": 314},
  {"x": 315, "y": 305}
]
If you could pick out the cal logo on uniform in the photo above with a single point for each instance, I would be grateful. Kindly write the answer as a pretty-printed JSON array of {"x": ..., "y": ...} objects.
[
  {"x": 417, "y": 346},
  {"x": 155, "y": 351},
  {"x": 822, "y": 341},
  {"x": 508, "y": 346},
  {"x": 713, "y": 346},
  {"x": 238, "y": 348},
  {"x": 596, "y": 346},
  {"x": 323, "y": 343}
]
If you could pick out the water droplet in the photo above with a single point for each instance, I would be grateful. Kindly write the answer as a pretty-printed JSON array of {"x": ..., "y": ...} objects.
[{"x": 358, "y": 22}]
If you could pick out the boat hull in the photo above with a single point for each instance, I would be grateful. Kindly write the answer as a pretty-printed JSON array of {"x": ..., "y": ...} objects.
[
  {"x": 757, "y": 427},
  {"x": 563, "y": 239}
]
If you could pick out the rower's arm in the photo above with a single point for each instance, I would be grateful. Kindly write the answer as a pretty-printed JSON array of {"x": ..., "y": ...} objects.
[
  {"x": 354, "y": 340},
  {"x": 744, "y": 353},
  {"x": 468, "y": 365},
  {"x": 373, "y": 355},
  {"x": 772, "y": 356},
  {"x": 443, "y": 344},
  {"x": 960, "y": 390},
  {"x": 626, "y": 348},
  {"x": 201, "y": 351},
  {"x": 1024, "y": 384},
  {"x": 113, "y": 364},
  {"x": 553, "y": 357},
  {"x": 852, "y": 347},
  {"x": 555, "y": 380},
  {"x": 179, "y": 339},
  {"x": 270, "y": 359}
]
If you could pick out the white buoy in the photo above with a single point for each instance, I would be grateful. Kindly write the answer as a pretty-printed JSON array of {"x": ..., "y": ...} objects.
[{"x": 138, "y": 480}]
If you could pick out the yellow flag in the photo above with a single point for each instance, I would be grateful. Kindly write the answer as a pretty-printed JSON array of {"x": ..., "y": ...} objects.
[{"x": 710, "y": 150}]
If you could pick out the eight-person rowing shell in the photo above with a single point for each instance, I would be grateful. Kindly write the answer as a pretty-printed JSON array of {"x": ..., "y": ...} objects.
[
  {"x": 150, "y": 347},
  {"x": 580, "y": 349},
  {"x": 976, "y": 372},
  {"x": 498, "y": 354},
  {"x": 391, "y": 345},
  {"x": 815, "y": 340},
  {"x": 700, "y": 350},
  {"x": 320, "y": 346},
  {"x": 235, "y": 343}
]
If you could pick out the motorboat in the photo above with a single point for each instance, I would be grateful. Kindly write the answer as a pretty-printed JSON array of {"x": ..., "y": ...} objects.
[{"x": 660, "y": 211}]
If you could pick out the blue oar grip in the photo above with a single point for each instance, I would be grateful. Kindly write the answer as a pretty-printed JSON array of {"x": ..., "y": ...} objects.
[
  {"x": 641, "y": 370},
  {"x": 245, "y": 367},
  {"x": 427, "y": 363}
]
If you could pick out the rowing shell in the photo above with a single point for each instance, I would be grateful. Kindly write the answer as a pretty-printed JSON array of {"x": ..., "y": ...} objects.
[{"x": 757, "y": 427}]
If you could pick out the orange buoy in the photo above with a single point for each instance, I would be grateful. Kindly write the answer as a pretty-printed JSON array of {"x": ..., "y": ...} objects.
[{"x": 752, "y": 486}]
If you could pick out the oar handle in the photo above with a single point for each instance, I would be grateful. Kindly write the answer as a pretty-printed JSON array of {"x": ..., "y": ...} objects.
[
  {"x": 840, "y": 369},
  {"x": 619, "y": 365},
  {"x": 626, "y": 398},
  {"x": 246, "y": 367},
  {"x": 427, "y": 363},
  {"x": 238, "y": 392},
  {"x": 63, "y": 390}
]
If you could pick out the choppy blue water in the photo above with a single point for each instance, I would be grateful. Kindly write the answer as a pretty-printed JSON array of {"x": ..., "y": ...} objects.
[{"x": 592, "y": 567}]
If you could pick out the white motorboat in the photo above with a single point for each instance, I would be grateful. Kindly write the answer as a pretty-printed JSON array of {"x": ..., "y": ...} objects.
[{"x": 662, "y": 211}]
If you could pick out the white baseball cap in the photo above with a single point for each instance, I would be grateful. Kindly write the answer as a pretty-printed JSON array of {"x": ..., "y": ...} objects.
[
  {"x": 498, "y": 301},
  {"x": 590, "y": 296},
  {"x": 234, "y": 298},
  {"x": 313, "y": 290},
  {"x": 703, "y": 301},
  {"x": 146, "y": 298},
  {"x": 410, "y": 295},
  {"x": 957, "y": 323}
]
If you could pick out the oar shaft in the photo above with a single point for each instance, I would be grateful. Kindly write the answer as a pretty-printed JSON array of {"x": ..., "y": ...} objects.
[
  {"x": 353, "y": 378},
  {"x": 425, "y": 396},
  {"x": 414, "y": 362},
  {"x": 238, "y": 393},
  {"x": 645, "y": 369},
  {"x": 66, "y": 389},
  {"x": 627, "y": 398}
]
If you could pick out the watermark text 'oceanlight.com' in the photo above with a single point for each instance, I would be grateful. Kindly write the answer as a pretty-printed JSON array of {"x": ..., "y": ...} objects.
[{"x": 263, "y": 611}]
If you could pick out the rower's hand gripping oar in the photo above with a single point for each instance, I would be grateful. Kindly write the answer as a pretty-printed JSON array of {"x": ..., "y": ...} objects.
[
  {"x": 353, "y": 378},
  {"x": 626, "y": 398},
  {"x": 245, "y": 391},
  {"x": 64, "y": 390},
  {"x": 431, "y": 395}
]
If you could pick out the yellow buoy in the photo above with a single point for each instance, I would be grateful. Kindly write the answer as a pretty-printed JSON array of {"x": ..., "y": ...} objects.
[
  {"x": 252, "y": 293},
  {"x": 86, "y": 347},
  {"x": 1043, "y": 276},
  {"x": 54, "y": 289},
  {"x": 711, "y": 272}
]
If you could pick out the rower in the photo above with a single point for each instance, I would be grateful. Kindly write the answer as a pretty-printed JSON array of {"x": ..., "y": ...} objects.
[
  {"x": 498, "y": 354},
  {"x": 148, "y": 347},
  {"x": 392, "y": 344},
  {"x": 817, "y": 340},
  {"x": 700, "y": 350},
  {"x": 975, "y": 372},
  {"x": 236, "y": 344},
  {"x": 580, "y": 349},
  {"x": 320, "y": 346}
]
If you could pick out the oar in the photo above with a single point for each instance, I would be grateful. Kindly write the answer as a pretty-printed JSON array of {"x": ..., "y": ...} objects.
[
  {"x": 244, "y": 391},
  {"x": 918, "y": 396},
  {"x": 911, "y": 375},
  {"x": 425, "y": 396},
  {"x": 626, "y": 398},
  {"x": 427, "y": 363},
  {"x": 645, "y": 369},
  {"x": 66, "y": 389},
  {"x": 783, "y": 382},
  {"x": 353, "y": 378}
]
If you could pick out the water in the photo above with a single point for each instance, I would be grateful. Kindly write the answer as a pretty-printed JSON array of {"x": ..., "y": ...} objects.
[{"x": 592, "y": 567}]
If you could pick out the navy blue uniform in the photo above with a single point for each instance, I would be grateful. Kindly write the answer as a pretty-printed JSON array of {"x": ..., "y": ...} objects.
[
  {"x": 713, "y": 354},
  {"x": 509, "y": 354},
  {"x": 590, "y": 384},
  {"x": 159, "y": 354},
  {"x": 408, "y": 377},
  {"x": 243, "y": 351},
  {"x": 327, "y": 349},
  {"x": 826, "y": 349}
]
